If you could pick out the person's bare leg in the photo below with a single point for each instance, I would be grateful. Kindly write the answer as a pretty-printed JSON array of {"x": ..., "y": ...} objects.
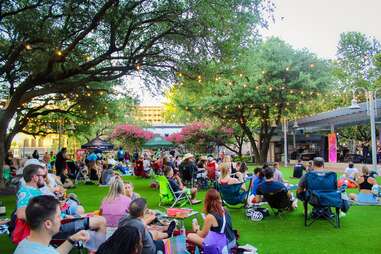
[
  {"x": 80, "y": 210},
  {"x": 157, "y": 235},
  {"x": 193, "y": 193},
  {"x": 352, "y": 196},
  {"x": 98, "y": 223},
  {"x": 195, "y": 238}
]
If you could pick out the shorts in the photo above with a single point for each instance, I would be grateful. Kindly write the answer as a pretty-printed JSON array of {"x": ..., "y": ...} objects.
[{"x": 72, "y": 227}]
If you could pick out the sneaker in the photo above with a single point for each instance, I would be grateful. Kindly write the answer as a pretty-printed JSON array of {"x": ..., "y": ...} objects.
[{"x": 195, "y": 202}]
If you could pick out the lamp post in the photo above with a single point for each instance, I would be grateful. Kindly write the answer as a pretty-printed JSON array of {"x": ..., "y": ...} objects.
[
  {"x": 371, "y": 111},
  {"x": 285, "y": 127}
]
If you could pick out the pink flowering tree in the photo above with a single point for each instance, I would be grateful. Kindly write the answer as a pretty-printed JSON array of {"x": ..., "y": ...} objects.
[
  {"x": 176, "y": 138},
  {"x": 131, "y": 135},
  {"x": 201, "y": 137}
]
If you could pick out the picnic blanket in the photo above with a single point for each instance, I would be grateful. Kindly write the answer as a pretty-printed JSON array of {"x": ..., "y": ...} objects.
[{"x": 356, "y": 203}]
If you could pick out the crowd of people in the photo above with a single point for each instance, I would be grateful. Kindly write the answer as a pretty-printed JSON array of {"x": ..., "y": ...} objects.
[{"x": 46, "y": 213}]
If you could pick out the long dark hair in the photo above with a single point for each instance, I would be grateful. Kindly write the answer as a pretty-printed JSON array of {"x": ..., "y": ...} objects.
[{"x": 124, "y": 240}]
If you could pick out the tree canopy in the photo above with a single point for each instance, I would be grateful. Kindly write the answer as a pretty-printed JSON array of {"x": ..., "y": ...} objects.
[
  {"x": 266, "y": 82},
  {"x": 54, "y": 47}
]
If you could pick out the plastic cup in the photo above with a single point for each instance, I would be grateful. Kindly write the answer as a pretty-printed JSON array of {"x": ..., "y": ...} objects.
[{"x": 95, "y": 240}]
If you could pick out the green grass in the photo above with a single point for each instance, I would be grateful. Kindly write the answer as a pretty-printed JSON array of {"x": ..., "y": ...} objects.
[{"x": 358, "y": 234}]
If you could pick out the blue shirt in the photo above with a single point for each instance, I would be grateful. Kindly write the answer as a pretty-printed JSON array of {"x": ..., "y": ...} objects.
[
  {"x": 25, "y": 194},
  {"x": 257, "y": 181},
  {"x": 29, "y": 247},
  {"x": 270, "y": 187}
]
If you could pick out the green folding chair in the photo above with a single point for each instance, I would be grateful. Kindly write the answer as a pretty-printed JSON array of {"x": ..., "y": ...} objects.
[{"x": 168, "y": 196}]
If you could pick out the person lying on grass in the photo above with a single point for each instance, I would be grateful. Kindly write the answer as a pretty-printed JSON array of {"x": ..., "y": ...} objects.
[{"x": 177, "y": 185}]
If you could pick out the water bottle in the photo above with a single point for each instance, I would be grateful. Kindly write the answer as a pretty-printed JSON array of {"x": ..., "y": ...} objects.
[
  {"x": 182, "y": 231},
  {"x": 3, "y": 210}
]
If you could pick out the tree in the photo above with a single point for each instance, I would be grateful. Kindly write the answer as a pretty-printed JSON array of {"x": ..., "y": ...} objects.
[
  {"x": 265, "y": 83},
  {"x": 356, "y": 66},
  {"x": 55, "y": 47},
  {"x": 131, "y": 135}
]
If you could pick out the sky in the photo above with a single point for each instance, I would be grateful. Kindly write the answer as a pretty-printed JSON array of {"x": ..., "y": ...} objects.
[{"x": 312, "y": 24}]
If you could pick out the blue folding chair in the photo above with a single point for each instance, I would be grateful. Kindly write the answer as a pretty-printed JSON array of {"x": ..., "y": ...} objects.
[{"x": 322, "y": 194}]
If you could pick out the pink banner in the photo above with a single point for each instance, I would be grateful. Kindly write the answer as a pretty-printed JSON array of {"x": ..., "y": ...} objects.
[{"x": 332, "y": 148}]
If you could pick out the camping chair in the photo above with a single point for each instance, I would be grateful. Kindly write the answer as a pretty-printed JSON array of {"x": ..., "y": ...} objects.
[
  {"x": 322, "y": 194},
  {"x": 168, "y": 196},
  {"x": 232, "y": 195},
  {"x": 278, "y": 201}
]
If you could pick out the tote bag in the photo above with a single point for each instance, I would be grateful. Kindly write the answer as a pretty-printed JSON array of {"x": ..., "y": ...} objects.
[{"x": 216, "y": 243}]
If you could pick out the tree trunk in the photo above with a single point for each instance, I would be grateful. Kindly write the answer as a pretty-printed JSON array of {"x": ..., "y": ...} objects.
[
  {"x": 265, "y": 145},
  {"x": 253, "y": 144},
  {"x": 3, "y": 153}
]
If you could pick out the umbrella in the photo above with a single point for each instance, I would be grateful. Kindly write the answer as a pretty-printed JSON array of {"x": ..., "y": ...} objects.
[
  {"x": 98, "y": 143},
  {"x": 157, "y": 141}
]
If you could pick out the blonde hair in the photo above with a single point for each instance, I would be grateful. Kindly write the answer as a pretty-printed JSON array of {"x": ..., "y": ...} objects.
[
  {"x": 225, "y": 169},
  {"x": 116, "y": 189},
  {"x": 227, "y": 158}
]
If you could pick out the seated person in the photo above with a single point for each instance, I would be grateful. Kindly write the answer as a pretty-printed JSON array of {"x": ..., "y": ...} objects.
[
  {"x": 139, "y": 168},
  {"x": 243, "y": 170},
  {"x": 44, "y": 220},
  {"x": 351, "y": 172},
  {"x": 33, "y": 175},
  {"x": 365, "y": 183},
  {"x": 116, "y": 203},
  {"x": 211, "y": 167},
  {"x": 139, "y": 217},
  {"x": 278, "y": 176},
  {"x": 214, "y": 221},
  {"x": 258, "y": 179},
  {"x": 124, "y": 240},
  {"x": 272, "y": 186},
  {"x": 65, "y": 180},
  {"x": 129, "y": 191},
  {"x": 226, "y": 178},
  {"x": 177, "y": 185},
  {"x": 107, "y": 173},
  {"x": 298, "y": 169}
]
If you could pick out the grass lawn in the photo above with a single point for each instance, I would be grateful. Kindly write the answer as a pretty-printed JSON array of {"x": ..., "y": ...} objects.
[{"x": 358, "y": 233}]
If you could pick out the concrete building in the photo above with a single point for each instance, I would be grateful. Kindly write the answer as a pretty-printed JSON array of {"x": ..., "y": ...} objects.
[{"x": 150, "y": 114}]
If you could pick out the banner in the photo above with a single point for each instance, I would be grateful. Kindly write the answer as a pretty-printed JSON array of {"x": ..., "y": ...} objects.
[{"x": 332, "y": 148}]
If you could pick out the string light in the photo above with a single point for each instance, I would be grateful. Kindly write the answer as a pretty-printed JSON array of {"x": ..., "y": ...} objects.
[
  {"x": 59, "y": 52},
  {"x": 312, "y": 65},
  {"x": 88, "y": 58},
  {"x": 28, "y": 46}
]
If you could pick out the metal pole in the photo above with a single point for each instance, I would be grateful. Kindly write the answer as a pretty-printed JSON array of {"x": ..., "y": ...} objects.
[
  {"x": 294, "y": 139},
  {"x": 285, "y": 141},
  {"x": 373, "y": 130}
]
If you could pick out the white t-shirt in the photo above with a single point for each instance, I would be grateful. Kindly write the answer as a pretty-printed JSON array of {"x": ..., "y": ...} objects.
[{"x": 351, "y": 172}]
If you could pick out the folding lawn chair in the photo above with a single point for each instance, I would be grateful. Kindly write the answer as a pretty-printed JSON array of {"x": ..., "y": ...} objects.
[
  {"x": 278, "y": 201},
  {"x": 168, "y": 196},
  {"x": 232, "y": 195},
  {"x": 322, "y": 194}
]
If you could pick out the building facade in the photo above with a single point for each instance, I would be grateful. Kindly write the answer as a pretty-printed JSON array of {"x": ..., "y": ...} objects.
[{"x": 150, "y": 114}]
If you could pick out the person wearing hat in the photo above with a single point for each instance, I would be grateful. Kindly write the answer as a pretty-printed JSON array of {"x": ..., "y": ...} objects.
[{"x": 188, "y": 168}]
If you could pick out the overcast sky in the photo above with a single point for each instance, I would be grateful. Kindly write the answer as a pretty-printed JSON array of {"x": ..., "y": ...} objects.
[{"x": 315, "y": 25}]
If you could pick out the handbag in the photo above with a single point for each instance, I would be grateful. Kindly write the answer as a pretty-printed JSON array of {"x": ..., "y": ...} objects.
[
  {"x": 216, "y": 243},
  {"x": 20, "y": 232}
]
